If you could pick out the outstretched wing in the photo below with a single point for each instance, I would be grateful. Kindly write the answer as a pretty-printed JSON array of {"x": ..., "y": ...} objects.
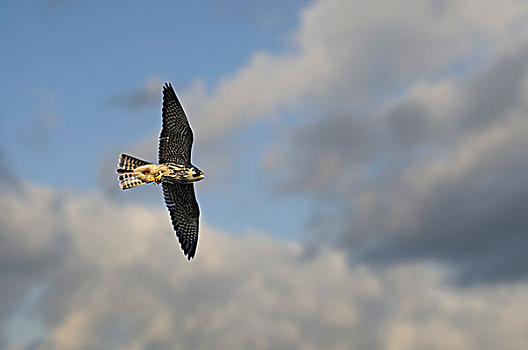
[
  {"x": 184, "y": 213},
  {"x": 176, "y": 136}
]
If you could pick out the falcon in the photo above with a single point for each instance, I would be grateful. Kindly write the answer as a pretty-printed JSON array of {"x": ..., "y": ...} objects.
[{"x": 175, "y": 172}]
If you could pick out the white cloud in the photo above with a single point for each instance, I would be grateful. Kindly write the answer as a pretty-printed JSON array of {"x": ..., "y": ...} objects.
[
  {"x": 352, "y": 53},
  {"x": 113, "y": 276},
  {"x": 418, "y": 110}
]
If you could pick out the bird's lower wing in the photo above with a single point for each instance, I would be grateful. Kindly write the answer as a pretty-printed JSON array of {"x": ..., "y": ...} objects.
[{"x": 184, "y": 212}]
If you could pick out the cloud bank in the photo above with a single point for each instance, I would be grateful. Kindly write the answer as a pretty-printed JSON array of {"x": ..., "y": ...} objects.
[
  {"x": 436, "y": 174},
  {"x": 412, "y": 129},
  {"x": 100, "y": 275},
  {"x": 413, "y": 125}
]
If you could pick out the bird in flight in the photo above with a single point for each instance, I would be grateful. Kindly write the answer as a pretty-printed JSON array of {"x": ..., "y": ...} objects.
[{"x": 174, "y": 171}]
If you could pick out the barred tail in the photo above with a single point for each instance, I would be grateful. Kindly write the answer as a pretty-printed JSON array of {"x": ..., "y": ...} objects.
[
  {"x": 127, "y": 181},
  {"x": 127, "y": 165}
]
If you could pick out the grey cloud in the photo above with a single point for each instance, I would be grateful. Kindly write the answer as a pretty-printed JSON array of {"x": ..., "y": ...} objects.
[
  {"x": 119, "y": 280},
  {"x": 429, "y": 177},
  {"x": 354, "y": 54},
  {"x": 27, "y": 258},
  {"x": 408, "y": 126},
  {"x": 408, "y": 102},
  {"x": 495, "y": 92},
  {"x": 147, "y": 95},
  {"x": 396, "y": 90}
]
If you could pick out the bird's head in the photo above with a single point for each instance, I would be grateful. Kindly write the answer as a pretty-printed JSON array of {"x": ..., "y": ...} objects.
[{"x": 196, "y": 174}]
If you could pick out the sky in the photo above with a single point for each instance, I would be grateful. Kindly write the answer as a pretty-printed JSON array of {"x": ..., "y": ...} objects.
[{"x": 365, "y": 174}]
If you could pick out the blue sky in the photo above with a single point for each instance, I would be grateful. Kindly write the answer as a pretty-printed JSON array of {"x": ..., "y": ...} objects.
[
  {"x": 365, "y": 174},
  {"x": 67, "y": 60},
  {"x": 80, "y": 54}
]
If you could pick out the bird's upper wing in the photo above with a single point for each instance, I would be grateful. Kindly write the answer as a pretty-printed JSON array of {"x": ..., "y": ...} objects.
[
  {"x": 176, "y": 136},
  {"x": 184, "y": 213}
]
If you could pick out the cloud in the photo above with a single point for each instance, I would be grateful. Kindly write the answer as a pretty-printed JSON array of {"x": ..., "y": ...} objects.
[
  {"x": 412, "y": 122},
  {"x": 348, "y": 57},
  {"x": 147, "y": 95},
  {"x": 352, "y": 54},
  {"x": 413, "y": 155},
  {"x": 265, "y": 15},
  {"x": 435, "y": 174},
  {"x": 112, "y": 276}
]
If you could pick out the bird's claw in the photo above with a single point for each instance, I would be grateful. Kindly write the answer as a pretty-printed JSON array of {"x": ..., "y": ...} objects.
[{"x": 156, "y": 179}]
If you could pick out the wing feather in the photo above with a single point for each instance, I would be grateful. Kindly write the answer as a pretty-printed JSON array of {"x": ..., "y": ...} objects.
[
  {"x": 176, "y": 137},
  {"x": 184, "y": 212}
]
